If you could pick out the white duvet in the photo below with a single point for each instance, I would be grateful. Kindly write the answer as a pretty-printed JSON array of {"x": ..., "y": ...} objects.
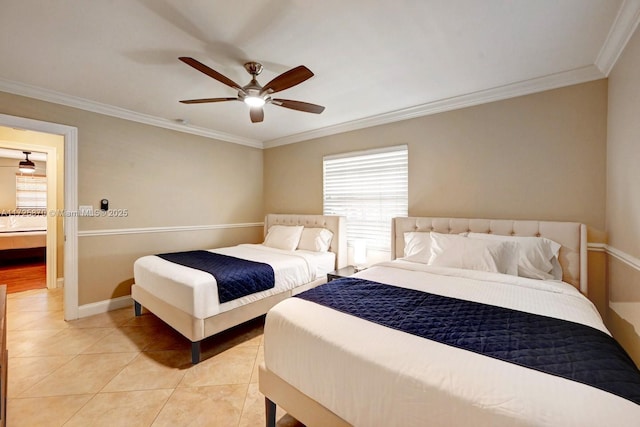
[
  {"x": 196, "y": 292},
  {"x": 370, "y": 375}
]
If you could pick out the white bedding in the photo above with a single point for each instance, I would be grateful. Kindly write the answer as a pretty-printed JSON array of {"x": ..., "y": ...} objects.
[
  {"x": 23, "y": 231},
  {"x": 370, "y": 375},
  {"x": 195, "y": 292}
]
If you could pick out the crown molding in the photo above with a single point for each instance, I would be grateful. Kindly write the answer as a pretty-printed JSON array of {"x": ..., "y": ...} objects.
[
  {"x": 526, "y": 87},
  {"x": 22, "y": 89},
  {"x": 621, "y": 31}
]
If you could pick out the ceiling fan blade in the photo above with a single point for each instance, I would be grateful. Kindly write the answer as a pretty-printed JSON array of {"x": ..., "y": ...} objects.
[
  {"x": 202, "y": 101},
  {"x": 209, "y": 72},
  {"x": 257, "y": 114},
  {"x": 288, "y": 79},
  {"x": 298, "y": 105}
]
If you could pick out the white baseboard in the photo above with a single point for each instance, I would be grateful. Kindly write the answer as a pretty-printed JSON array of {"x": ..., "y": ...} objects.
[
  {"x": 60, "y": 282},
  {"x": 104, "y": 306}
]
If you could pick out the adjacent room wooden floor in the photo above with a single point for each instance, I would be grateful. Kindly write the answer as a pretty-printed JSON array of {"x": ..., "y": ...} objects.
[{"x": 24, "y": 276}]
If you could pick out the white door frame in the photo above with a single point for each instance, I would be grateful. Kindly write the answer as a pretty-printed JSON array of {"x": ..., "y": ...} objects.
[{"x": 70, "y": 135}]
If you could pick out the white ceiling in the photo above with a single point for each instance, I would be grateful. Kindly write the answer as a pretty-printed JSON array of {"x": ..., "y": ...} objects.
[{"x": 375, "y": 61}]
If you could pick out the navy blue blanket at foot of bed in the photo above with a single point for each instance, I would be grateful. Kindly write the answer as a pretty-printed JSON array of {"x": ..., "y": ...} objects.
[
  {"x": 554, "y": 346},
  {"x": 235, "y": 277}
]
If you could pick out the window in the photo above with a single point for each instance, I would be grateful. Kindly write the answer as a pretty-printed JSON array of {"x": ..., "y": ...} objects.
[
  {"x": 31, "y": 192},
  {"x": 368, "y": 188}
]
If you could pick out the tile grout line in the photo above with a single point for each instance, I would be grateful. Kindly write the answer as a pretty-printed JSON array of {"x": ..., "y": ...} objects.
[
  {"x": 247, "y": 409},
  {"x": 163, "y": 406},
  {"x": 246, "y": 393},
  {"x": 244, "y": 402}
]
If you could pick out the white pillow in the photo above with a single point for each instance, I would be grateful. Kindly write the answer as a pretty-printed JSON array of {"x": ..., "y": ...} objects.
[
  {"x": 315, "y": 239},
  {"x": 556, "y": 271},
  {"x": 450, "y": 250},
  {"x": 283, "y": 237},
  {"x": 417, "y": 246},
  {"x": 535, "y": 254}
]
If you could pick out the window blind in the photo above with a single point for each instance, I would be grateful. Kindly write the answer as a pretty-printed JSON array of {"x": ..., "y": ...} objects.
[
  {"x": 368, "y": 188},
  {"x": 31, "y": 192}
]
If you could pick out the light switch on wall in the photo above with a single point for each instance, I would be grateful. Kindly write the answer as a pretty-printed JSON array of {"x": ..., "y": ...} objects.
[{"x": 85, "y": 210}]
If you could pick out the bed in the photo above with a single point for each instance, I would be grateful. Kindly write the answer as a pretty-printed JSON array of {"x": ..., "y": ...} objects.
[
  {"x": 23, "y": 231},
  {"x": 326, "y": 366},
  {"x": 188, "y": 299}
]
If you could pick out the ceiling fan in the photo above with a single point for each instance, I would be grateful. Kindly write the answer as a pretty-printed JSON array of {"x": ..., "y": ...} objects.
[{"x": 254, "y": 95}]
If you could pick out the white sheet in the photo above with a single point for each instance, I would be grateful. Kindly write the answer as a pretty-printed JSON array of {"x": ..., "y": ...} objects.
[
  {"x": 375, "y": 376},
  {"x": 23, "y": 231},
  {"x": 196, "y": 292}
]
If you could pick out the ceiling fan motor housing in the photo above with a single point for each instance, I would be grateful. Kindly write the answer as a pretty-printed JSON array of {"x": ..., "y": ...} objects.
[{"x": 253, "y": 68}]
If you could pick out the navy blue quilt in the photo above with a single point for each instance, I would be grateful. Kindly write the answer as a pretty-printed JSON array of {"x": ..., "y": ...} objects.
[
  {"x": 558, "y": 347},
  {"x": 236, "y": 277}
]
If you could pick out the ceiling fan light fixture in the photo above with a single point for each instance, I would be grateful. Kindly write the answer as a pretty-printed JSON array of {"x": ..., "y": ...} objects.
[
  {"x": 255, "y": 95},
  {"x": 27, "y": 166},
  {"x": 254, "y": 101}
]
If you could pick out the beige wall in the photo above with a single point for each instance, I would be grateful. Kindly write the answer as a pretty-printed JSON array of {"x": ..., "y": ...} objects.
[
  {"x": 540, "y": 156},
  {"x": 623, "y": 197},
  {"x": 8, "y": 169},
  {"x": 163, "y": 178}
]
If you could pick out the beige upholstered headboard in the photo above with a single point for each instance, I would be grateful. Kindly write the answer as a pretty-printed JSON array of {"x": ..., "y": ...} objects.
[
  {"x": 571, "y": 235},
  {"x": 336, "y": 224}
]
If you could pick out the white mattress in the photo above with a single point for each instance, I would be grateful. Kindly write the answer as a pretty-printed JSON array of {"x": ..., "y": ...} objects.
[
  {"x": 370, "y": 375},
  {"x": 22, "y": 239},
  {"x": 196, "y": 292}
]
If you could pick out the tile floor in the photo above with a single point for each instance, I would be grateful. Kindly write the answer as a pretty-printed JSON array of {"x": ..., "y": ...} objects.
[{"x": 115, "y": 369}]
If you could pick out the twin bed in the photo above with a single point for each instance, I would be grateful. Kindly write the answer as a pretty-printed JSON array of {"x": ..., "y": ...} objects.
[
  {"x": 189, "y": 300},
  {"x": 511, "y": 338}
]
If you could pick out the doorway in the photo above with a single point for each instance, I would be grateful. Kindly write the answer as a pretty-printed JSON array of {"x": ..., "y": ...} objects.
[
  {"x": 63, "y": 220},
  {"x": 47, "y": 145},
  {"x": 23, "y": 215}
]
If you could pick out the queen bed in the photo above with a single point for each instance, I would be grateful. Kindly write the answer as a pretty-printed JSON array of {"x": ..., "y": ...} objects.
[
  {"x": 298, "y": 252},
  {"x": 358, "y": 350}
]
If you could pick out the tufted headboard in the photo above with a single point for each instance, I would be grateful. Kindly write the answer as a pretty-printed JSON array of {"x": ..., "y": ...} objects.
[
  {"x": 336, "y": 224},
  {"x": 571, "y": 235}
]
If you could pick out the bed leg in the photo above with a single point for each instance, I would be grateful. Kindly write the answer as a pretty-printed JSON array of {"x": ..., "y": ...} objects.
[
  {"x": 195, "y": 352},
  {"x": 270, "y": 413},
  {"x": 137, "y": 308}
]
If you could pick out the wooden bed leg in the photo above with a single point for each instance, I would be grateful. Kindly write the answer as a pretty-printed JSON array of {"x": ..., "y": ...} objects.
[
  {"x": 195, "y": 352},
  {"x": 137, "y": 308},
  {"x": 270, "y": 413}
]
